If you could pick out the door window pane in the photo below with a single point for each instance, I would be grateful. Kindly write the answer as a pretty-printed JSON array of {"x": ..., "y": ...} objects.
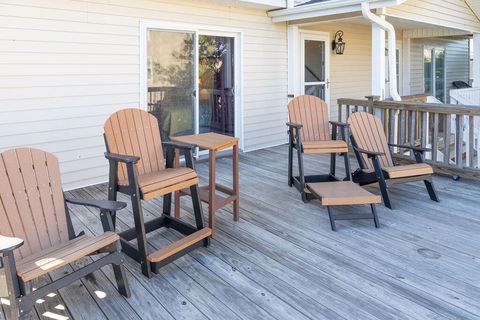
[
  {"x": 216, "y": 84},
  {"x": 440, "y": 75},
  {"x": 314, "y": 61},
  {"x": 428, "y": 74},
  {"x": 316, "y": 90},
  {"x": 171, "y": 85}
]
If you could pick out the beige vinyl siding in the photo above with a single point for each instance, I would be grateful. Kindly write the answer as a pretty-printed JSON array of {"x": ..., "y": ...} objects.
[
  {"x": 67, "y": 65},
  {"x": 446, "y": 13},
  {"x": 350, "y": 73},
  {"x": 457, "y": 63}
]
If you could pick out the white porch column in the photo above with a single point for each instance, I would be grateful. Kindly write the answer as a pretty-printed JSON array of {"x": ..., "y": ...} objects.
[
  {"x": 293, "y": 61},
  {"x": 476, "y": 60},
  {"x": 378, "y": 61}
]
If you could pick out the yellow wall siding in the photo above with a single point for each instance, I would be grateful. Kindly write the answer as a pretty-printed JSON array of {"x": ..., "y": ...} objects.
[
  {"x": 448, "y": 13},
  {"x": 67, "y": 65},
  {"x": 350, "y": 73}
]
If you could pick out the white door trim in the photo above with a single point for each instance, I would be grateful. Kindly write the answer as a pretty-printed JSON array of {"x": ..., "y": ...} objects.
[
  {"x": 197, "y": 30},
  {"x": 317, "y": 36}
]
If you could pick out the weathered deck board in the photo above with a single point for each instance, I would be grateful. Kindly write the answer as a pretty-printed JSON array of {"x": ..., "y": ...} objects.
[{"x": 281, "y": 261}]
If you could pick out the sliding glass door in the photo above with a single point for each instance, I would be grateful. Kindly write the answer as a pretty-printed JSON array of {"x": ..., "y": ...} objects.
[
  {"x": 191, "y": 82},
  {"x": 434, "y": 72},
  {"x": 171, "y": 81},
  {"x": 217, "y": 84}
]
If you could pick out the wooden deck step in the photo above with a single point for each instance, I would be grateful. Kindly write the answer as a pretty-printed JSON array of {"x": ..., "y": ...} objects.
[{"x": 179, "y": 245}]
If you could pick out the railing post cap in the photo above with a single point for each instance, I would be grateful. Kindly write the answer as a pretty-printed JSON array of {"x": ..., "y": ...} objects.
[{"x": 372, "y": 97}]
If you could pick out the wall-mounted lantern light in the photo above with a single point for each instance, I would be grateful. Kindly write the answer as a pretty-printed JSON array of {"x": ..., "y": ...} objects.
[{"x": 337, "y": 44}]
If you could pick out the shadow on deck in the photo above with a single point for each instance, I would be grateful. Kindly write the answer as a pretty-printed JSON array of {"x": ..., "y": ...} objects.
[{"x": 282, "y": 261}]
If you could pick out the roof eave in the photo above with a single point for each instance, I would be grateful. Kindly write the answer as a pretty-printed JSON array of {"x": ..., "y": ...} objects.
[{"x": 322, "y": 9}]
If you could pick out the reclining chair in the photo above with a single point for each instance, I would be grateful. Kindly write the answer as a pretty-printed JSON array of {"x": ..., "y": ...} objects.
[
  {"x": 376, "y": 162},
  {"x": 36, "y": 232},
  {"x": 309, "y": 133}
]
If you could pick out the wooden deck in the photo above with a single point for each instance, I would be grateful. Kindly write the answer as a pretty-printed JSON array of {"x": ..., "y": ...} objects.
[{"x": 282, "y": 261}]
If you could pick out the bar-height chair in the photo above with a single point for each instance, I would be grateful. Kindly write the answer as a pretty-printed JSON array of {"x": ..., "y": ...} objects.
[
  {"x": 375, "y": 158},
  {"x": 36, "y": 232},
  {"x": 138, "y": 169},
  {"x": 309, "y": 133}
]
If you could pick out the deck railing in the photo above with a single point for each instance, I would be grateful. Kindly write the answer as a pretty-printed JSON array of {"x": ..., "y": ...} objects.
[{"x": 448, "y": 130}]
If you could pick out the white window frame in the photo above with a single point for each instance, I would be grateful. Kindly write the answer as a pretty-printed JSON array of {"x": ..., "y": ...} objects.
[{"x": 197, "y": 29}]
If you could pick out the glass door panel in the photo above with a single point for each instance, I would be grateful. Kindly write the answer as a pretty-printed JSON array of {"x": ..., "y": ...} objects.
[
  {"x": 427, "y": 69},
  {"x": 171, "y": 81},
  {"x": 440, "y": 74},
  {"x": 315, "y": 68},
  {"x": 216, "y": 84}
]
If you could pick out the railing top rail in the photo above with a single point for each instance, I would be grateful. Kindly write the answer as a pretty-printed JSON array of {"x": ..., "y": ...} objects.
[{"x": 416, "y": 106}]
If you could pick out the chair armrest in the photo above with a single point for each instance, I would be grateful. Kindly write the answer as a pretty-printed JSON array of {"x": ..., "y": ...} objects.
[
  {"x": 99, "y": 204},
  {"x": 370, "y": 154},
  {"x": 409, "y": 146},
  {"x": 8, "y": 244},
  {"x": 178, "y": 145},
  {"x": 339, "y": 124},
  {"x": 294, "y": 125},
  {"x": 121, "y": 158}
]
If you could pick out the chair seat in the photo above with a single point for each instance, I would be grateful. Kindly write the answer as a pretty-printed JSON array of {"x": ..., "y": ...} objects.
[
  {"x": 326, "y": 146},
  {"x": 409, "y": 170},
  {"x": 155, "y": 184},
  {"x": 50, "y": 259}
]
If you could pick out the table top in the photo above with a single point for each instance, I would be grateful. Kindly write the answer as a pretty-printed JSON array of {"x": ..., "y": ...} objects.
[
  {"x": 340, "y": 193},
  {"x": 210, "y": 140}
]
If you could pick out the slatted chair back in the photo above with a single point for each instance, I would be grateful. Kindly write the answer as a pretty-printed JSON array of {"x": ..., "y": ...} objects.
[
  {"x": 312, "y": 113},
  {"x": 32, "y": 205},
  {"x": 367, "y": 131},
  {"x": 135, "y": 132}
]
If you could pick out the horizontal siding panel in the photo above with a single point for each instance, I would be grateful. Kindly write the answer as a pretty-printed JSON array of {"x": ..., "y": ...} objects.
[
  {"x": 455, "y": 14},
  {"x": 56, "y": 103},
  {"x": 66, "y": 65}
]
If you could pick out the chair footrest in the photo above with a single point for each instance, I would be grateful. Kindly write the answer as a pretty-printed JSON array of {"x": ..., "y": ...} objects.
[{"x": 177, "y": 246}]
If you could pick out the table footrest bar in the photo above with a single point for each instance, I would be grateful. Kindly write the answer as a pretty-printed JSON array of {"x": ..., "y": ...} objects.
[
  {"x": 177, "y": 246},
  {"x": 353, "y": 216}
]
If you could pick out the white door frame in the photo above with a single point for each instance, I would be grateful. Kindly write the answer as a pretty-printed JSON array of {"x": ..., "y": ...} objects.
[
  {"x": 145, "y": 26},
  {"x": 316, "y": 36}
]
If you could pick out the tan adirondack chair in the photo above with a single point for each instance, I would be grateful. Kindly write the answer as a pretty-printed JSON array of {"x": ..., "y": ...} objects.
[
  {"x": 376, "y": 161},
  {"x": 310, "y": 133},
  {"x": 138, "y": 169},
  {"x": 36, "y": 233}
]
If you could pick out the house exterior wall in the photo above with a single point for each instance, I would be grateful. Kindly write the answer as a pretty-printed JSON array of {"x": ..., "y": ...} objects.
[
  {"x": 67, "y": 65},
  {"x": 448, "y": 13},
  {"x": 350, "y": 73},
  {"x": 457, "y": 55}
]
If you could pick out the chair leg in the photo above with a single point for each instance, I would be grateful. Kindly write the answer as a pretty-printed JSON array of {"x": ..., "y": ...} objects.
[
  {"x": 198, "y": 212},
  {"x": 348, "y": 171},
  {"x": 301, "y": 174},
  {"x": 167, "y": 204},
  {"x": 375, "y": 217},
  {"x": 290, "y": 165},
  {"x": 382, "y": 183},
  {"x": 332, "y": 219},
  {"x": 333, "y": 163},
  {"x": 141, "y": 235},
  {"x": 120, "y": 274},
  {"x": 431, "y": 190},
  {"x": 384, "y": 191}
]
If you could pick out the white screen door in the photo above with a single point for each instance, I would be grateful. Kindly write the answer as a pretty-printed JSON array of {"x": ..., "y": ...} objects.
[{"x": 315, "y": 53}]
